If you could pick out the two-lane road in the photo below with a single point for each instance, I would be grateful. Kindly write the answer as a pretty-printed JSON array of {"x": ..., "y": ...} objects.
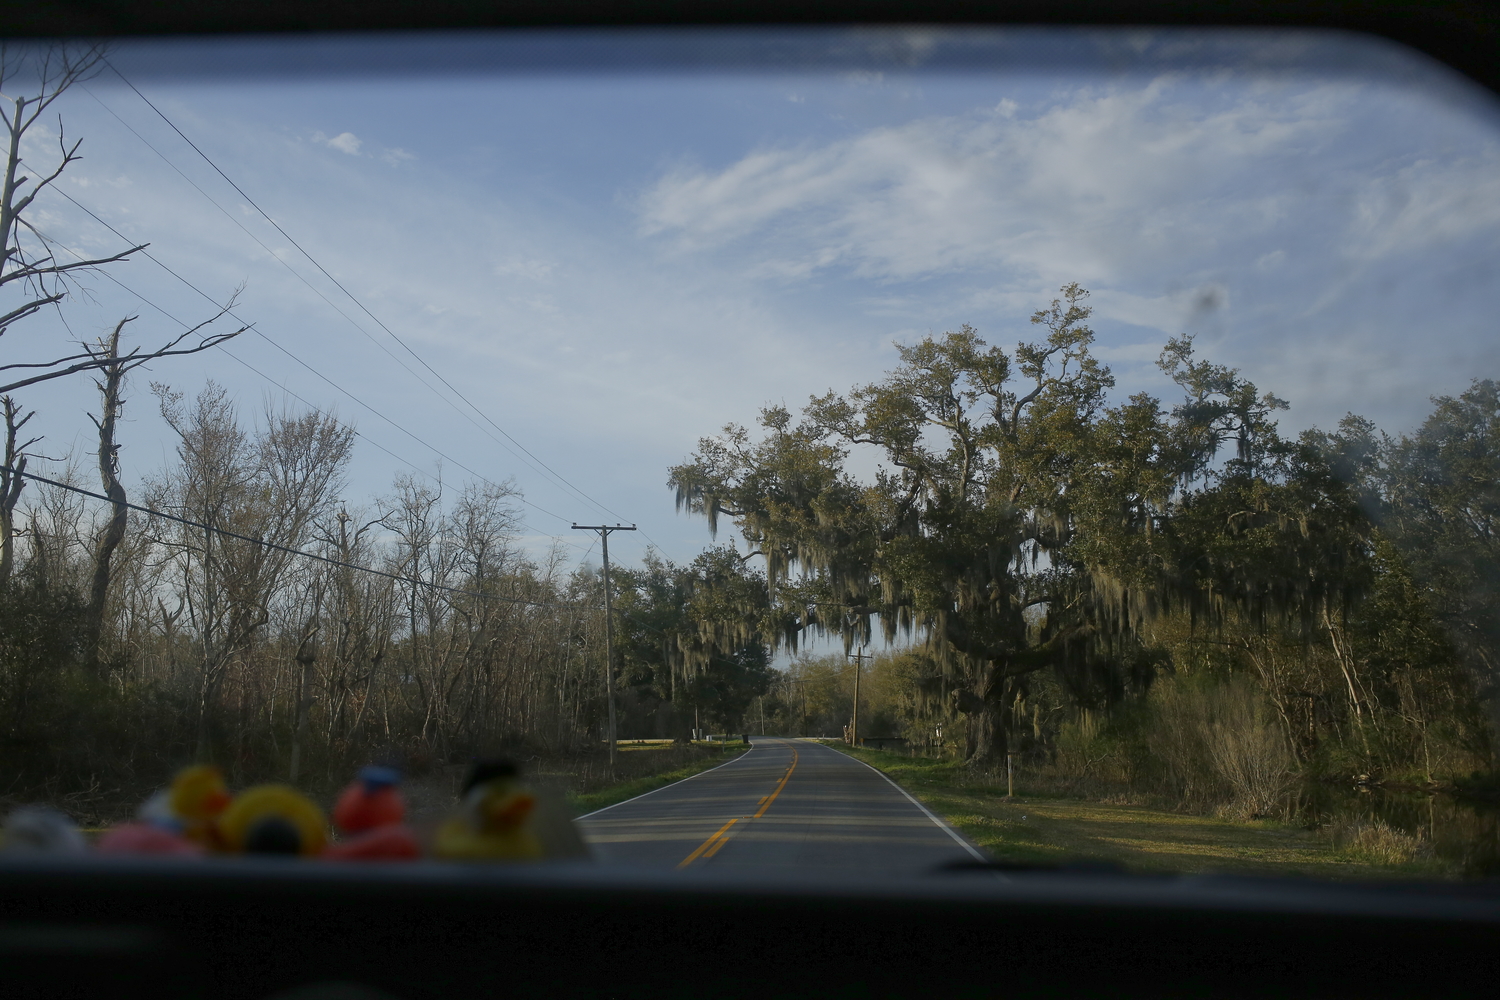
[{"x": 784, "y": 804}]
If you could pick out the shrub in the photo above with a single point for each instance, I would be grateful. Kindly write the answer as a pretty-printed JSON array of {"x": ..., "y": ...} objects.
[
  {"x": 1375, "y": 842},
  {"x": 1215, "y": 742}
]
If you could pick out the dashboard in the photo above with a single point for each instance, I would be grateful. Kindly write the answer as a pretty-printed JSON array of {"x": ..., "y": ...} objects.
[{"x": 258, "y": 929}]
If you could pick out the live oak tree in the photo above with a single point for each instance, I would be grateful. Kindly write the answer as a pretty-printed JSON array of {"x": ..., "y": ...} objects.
[
  {"x": 1437, "y": 601},
  {"x": 1442, "y": 485},
  {"x": 964, "y": 533},
  {"x": 1017, "y": 521}
]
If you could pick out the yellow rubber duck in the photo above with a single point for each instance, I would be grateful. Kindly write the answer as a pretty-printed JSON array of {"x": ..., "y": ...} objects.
[
  {"x": 273, "y": 819},
  {"x": 493, "y": 823},
  {"x": 190, "y": 804}
]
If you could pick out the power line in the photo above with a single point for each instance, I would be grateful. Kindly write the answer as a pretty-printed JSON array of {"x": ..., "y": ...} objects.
[
  {"x": 300, "y": 277},
  {"x": 268, "y": 378},
  {"x": 363, "y": 308},
  {"x": 312, "y": 555},
  {"x": 283, "y": 350},
  {"x": 281, "y": 548}
]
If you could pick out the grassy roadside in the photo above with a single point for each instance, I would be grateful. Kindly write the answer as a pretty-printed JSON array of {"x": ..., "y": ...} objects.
[
  {"x": 640, "y": 785},
  {"x": 1054, "y": 830}
]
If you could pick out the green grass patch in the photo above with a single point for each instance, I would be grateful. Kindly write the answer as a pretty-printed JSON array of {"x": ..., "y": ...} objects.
[
  {"x": 640, "y": 785},
  {"x": 1050, "y": 830},
  {"x": 646, "y": 746}
]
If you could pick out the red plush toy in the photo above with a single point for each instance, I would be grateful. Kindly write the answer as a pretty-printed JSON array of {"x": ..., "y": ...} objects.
[
  {"x": 146, "y": 838},
  {"x": 369, "y": 815}
]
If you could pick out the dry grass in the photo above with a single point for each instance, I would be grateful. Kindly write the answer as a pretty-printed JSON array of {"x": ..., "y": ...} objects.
[{"x": 1377, "y": 843}]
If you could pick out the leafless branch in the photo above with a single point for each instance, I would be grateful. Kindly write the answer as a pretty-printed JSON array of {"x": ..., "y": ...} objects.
[
  {"x": 135, "y": 358},
  {"x": 26, "y": 310},
  {"x": 34, "y": 270},
  {"x": 68, "y": 156}
]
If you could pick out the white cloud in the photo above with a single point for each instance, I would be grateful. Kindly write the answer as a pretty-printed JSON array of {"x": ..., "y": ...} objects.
[
  {"x": 1270, "y": 261},
  {"x": 344, "y": 142},
  {"x": 1141, "y": 354},
  {"x": 1085, "y": 189},
  {"x": 1428, "y": 202},
  {"x": 532, "y": 269}
]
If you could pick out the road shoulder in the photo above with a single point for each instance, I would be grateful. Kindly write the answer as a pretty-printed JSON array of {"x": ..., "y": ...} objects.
[{"x": 1054, "y": 830}]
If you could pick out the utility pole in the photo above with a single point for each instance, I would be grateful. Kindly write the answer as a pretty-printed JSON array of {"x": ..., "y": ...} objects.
[
  {"x": 609, "y": 629},
  {"x": 859, "y": 659}
]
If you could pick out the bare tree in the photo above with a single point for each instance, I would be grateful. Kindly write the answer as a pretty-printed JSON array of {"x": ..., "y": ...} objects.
[
  {"x": 272, "y": 486},
  {"x": 307, "y": 656},
  {"x": 109, "y": 473},
  {"x": 12, "y": 481},
  {"x": 31, "y": 79},
  {"x": 362, "y": 608}
]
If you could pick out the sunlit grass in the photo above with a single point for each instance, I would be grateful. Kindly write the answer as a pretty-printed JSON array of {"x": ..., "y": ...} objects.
[{"x": 1052, "y": 830}]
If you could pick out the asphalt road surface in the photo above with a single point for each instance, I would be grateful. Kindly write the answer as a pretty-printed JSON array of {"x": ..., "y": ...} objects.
[{"x": 784, "y": 804}]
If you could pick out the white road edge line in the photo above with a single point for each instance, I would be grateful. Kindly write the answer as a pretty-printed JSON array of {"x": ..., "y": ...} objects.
[
  {"x": 663, "y": 788},
  {"x": 974, "y": 852}
]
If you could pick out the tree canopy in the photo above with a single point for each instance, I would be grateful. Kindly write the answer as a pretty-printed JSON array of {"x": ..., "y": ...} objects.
[{"x": 1020, "y": 520}]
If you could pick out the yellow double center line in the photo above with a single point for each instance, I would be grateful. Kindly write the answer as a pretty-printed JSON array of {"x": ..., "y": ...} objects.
[
  {"x": 711, "y": 846},
  {"x": 765, "y": 803}
]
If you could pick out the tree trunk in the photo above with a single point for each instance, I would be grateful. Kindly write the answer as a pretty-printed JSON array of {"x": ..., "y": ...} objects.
[
  {"x": 306, "y": 657},
  {"x": 113, "y": 533},
  {"x": 11, "y": 484},
  {"x": 987, "y": 741}
]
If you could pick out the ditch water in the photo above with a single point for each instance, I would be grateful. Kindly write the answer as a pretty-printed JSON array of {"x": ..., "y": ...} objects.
[{"x": 1461, "y": 831}]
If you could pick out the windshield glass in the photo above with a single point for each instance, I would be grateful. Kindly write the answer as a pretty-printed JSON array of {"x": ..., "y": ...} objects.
[{"x": 1093, "y": 433}]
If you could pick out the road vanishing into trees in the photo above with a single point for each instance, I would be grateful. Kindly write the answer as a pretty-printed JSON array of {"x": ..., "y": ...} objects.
[{"x": 784, "y": 805}]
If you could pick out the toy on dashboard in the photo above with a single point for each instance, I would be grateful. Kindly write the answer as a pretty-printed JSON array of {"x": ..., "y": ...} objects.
[
  {"x": 494, "y": 818},
  {"x": 190, "y": 805},
  {"x": 146, "y": 838},
  {"x": 40, "y": 830},
  {"x": 177, "y": 820},
  {"x": 273, "y": 819},
  {"x": 369, "y": 814}
]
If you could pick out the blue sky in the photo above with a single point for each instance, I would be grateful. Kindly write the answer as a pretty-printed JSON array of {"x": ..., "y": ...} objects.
[{"x": 614, "y": 262}]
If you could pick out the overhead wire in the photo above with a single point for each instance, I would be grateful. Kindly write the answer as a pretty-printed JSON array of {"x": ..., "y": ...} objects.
[
  {"x": 225, "y": 532},
  {"x": 558, "y": 538},
  {"x": 298, "y": 275},
  {"x": 227, "y": 214},
  {"x": 278, "y": 547},
  {"x": 558, "y": 477}
]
